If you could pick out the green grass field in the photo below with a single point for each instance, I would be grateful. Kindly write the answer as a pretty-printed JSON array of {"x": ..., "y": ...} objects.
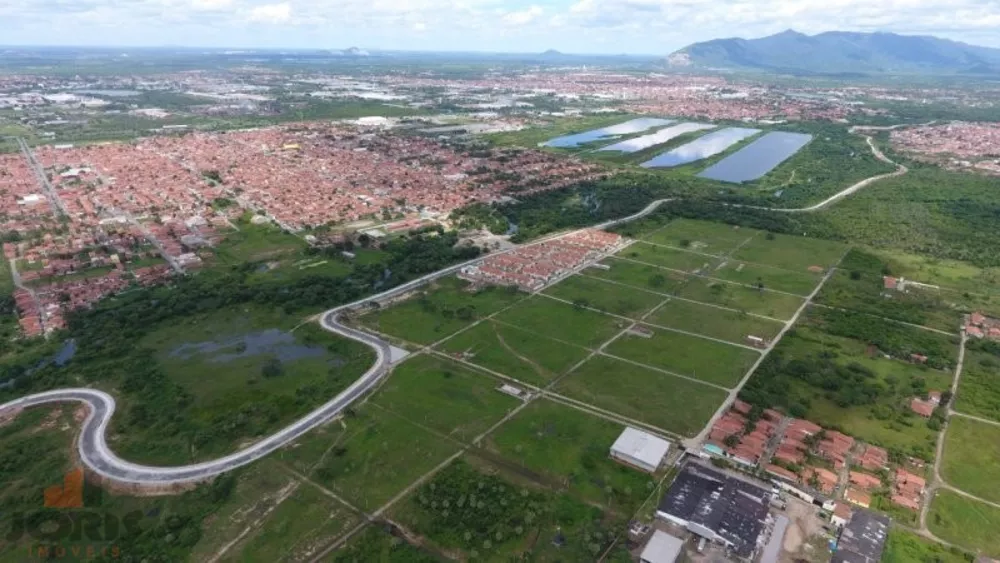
[
  {"x": 799, "y": 283},
  {"x": 562, "y": 321},
  {"x": 703, "y": 236},
  {"x": 972, "y": 457},
  {"x": 367, "y": 457},
  {"x": 770, "y": 304},
  {"x": 707, "y": 360},
  {"x": 378, "y": 545},
  {"x": 444, "y": 396},
  {"x": 304, "y": 523},
  {"x": 442, "y": 310},
  {"x": 965, "y": 522},
  {"x": 979, "y": 386},
  {"x": 608, "y": 297},
  {"x": 669, "y": 258},
  {"x": 570, "y": 448},
  {"x": 907, "y": 547},
  {"x": 257, "y": 242},
  {"x": 671, "y": 403},
  {"x": 234, "y": 360},
  {"x": 642, "y": 276},
  {"x": 712, "y": 321},
  {"x": 792, "y": 253},
  {"x": 513, "y": 352}
]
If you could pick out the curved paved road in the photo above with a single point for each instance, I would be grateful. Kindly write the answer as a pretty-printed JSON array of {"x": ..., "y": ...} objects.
[{"x": 98, "y": 457}]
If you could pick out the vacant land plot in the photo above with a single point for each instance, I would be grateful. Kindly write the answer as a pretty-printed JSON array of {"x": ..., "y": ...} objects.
[
  {"x": 608, "y": 297},
  {"x": 651, "y": 278},
  {"x": 440, "y": 311},
  {"x": 703, "y": 236},
  {"x": 304, "y": 523},
  {"x": 715, "y": 362},
  {"x": 907, "y": 547},
  {"x": 235, "y": 360},
  {"x": 965, "y": 522},
  {"x": 797, "y": 254},
  {"x": 712, "y": 321},
  {"x": 477, "y": 512},
  {"x": 257, "y": 243},
  {"x": 376, "y": 544},
  {"x": 669, "y": 258},
  {"x": 444, "y": 396},
  {"x": 979, "y": 387},
  {"x": 674, "y": 404},
  {"x": 525, "y": 356},
  {"x": 762, "y": 302},
  {"x": 562, "y": 321},
  {"x": 369, "y": 456},
  {"x": 799, "y": 283},
  {"x": 972, "y": 457},
  {"x": 570, "y": 447}
]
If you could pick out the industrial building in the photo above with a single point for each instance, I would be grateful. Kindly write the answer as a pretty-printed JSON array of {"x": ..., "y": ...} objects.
[
  {"x": 721, "y": 508},
  {"x": 640, "y": 449},
  {"x": 863, "y": 539},
  {"x": 662, "y": 548}
]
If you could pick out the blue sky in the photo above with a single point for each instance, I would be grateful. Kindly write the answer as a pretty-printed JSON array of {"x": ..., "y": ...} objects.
[{"x": 578, "y": 26}]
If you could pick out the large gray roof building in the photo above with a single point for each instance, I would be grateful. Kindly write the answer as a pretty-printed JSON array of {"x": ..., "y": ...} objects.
[
  {"x": 722, "y": 508},
  {"x": 863, "y": 539}
]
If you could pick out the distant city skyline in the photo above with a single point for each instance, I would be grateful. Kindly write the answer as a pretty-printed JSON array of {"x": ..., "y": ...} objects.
[{"x": 573, "y": 26}]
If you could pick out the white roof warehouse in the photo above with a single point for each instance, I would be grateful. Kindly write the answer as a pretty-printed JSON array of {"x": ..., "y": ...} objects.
[{"x": 640, "y": 449}]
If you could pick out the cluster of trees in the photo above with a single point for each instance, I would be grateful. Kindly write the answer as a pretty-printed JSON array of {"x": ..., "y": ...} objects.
[
  {"x": 156, "y": 406},
  {"x": 897, "y": 340},
  {"x": 478, "y": 513}
]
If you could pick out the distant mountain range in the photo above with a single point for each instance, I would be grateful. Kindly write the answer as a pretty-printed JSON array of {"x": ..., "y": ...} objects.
[{"x": 841, "y": 52}]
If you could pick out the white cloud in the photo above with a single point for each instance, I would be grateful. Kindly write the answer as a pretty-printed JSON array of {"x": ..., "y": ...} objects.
[
  {"x": 523, "y": 17},
  {"x": 271, "y": 13}
]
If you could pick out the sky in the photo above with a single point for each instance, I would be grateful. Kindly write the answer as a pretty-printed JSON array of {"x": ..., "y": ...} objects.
[{"x": 656, "y": 27}]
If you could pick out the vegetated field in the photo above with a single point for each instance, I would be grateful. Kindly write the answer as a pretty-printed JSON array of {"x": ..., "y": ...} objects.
[
  {"x": 712, "y": 321},
  {"x": 505, "y": 349},
  {"x": 368, "y": 456},
  {"x": 859, "y": 286},
  {"x": 569, "y": 449},
  {"x": 377, "y": 544},
  {"x": 650, "y": 278},
  {"x": 562, "y": 321},
  {"x": 907, "y": 547},
  {"x": 37, "y": 447},
  {"x": 303, "y": 523},
  {"x": 253, "y": 243},
  {"x": 799, "y": 283},
  {"x": 972, "y": 457},
  {"x": 965, "y": 522},
  {"x": 761, "y": 302},
  {"x": 440, "y": 311},
  {"x": 444, "y": 396},
  {"x": 979, "y": 386},
  {"x": 714, "y": 362},
  {"x": 478, "y": 512},
  {"x": 608, "y": 297},
  {"x": 674, "y": 404},
  {"x": 790, "y": 252},
  {"x": 244, "y": 359},
  {"x": 835, "y": 381},
  {"x": 669, "y": 257},
  {"x": 702, "y": 236}
]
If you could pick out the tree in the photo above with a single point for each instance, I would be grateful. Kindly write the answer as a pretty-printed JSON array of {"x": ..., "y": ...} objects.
[
  {"x": 855, "y": 275},
  {"x": 272, "y": 368},
  {"x": 731, "y": 441},
  {"x": 657, "y": 280}
]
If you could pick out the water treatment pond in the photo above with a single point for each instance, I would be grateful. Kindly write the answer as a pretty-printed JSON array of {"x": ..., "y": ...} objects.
[
  {"x": 710, "y": 145},
  {"x": 278, "y": 343}
]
